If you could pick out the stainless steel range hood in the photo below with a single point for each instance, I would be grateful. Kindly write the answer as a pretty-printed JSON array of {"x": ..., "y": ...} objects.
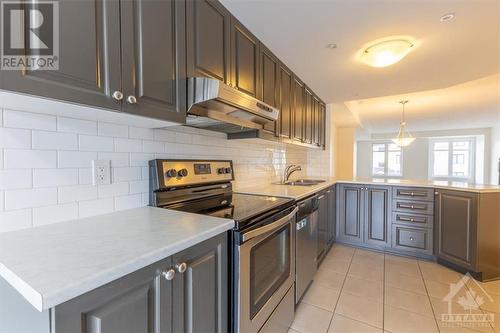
[{"x": 216, "y": 106}]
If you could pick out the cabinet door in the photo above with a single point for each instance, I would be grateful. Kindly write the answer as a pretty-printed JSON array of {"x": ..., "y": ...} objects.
[
  {"x": 245, "y": 58},
  {"x": 268, "y": 91},
  {"x": 322, "y": 125},
  {"x": 138, "y": 302},
  {"x": 332, "y": 214},
  {"x": 456, "y": 223},
  {"x": 200, "y": 293},
  {"x": 89, "y": 57},
  {"x": 377, "y": 215},
  {"x": 286, "y": 83},
  {"x": 350, "y": 226},
  {"x": 308, "y": 120},
  {"x": 298, "y": 109},
  {"x": 317, "y": 121},
  {"x": 153, "y": 71},
  {"x": 208, "y": 39},
  {"x": 322, "y": 225}
]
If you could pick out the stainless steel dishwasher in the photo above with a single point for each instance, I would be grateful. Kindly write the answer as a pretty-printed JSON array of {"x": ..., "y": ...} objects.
[{"x": 306, "y": 244}]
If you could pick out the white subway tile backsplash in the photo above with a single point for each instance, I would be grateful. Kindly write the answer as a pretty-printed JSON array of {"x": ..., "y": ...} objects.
[
  {"x": 54, "y": 177},
  {"x": 95, "y": 207},
  {"x": 112, "y": 190},
  {"x": 2, "y": 195},
  {"x": 138, "y": 159},
  {"x": 29, "y": 120},
  {"x": 75, "y": 159},
  {"x": 140, "y": 133},
  {"x": 128, "y": 145},
  {"x": 15, "y": 179},
  {"x": 117, "y": 159},
  {"x": 17, "y": 199},
  {"x": 128, "y": 202},
  {"x": 55, "y": 213},
  {"x": 26, "y": 159},
  {"x": 140, "y": 186},
  {"x": 164, "y": 135},
  {"x": 127, "y": 174},
  {"x": 152, "y": 147},
  {"x": 85, "y": 176},
  {"x": 112, "y": 130},
  {"x": 76, "y": 125},
  {"x": 76, "y": 193},
  {"x": 54, "y": 140},
  {"x": 95, "y": 143},
  {"x": 15, "y": 138},
  {"x": 15, "y": 220}
]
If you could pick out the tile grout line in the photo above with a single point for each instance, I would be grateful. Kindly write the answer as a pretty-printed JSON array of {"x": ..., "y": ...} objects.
[
  {"x": 341, "y": 288},
  {"x": 383, "y": 297},
  {"x": 428, "y": 296}
]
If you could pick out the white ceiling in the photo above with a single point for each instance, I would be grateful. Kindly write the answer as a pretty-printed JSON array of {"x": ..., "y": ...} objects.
[{"x": 433, "y": 76}]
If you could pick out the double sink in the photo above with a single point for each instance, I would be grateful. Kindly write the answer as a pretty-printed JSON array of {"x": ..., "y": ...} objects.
[{"x": 302, "y": 182}]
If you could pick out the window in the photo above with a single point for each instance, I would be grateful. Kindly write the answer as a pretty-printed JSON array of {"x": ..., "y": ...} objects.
[
  {"x": 452, "y": 159},
  {"x": 386, "y": 160}
]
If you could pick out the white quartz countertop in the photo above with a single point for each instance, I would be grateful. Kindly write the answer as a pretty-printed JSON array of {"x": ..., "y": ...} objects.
[
  {"x": 300, "y": 192},
  {"x": 52, "y": 264}
]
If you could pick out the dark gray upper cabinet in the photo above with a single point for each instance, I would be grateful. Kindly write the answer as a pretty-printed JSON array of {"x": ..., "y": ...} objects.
[
  {"x": 89, "y": 58},
  {"x": 308, "y": 117},
  {"x": 193, "y": 299},
  {"x": 317, "y": 121},
  {"x": 153, "y": 58},
  {"x": 350, "y": 205},
  {"x": 332, "y": 214},
  {"x": 456, "y": 224},
  {"x": 322, "y": 225},
  {"x": 298, "y": 91},
  {"x": 286, "y": 82},
  {"x": 200, "y": 293},
  {"x": 322, "y": 125},
  {"x": 268, "y": 89},
  {"x": 245, "y": 58},
  {"x": 378, "y": 215},
  {"x": 208, "y": 39}
]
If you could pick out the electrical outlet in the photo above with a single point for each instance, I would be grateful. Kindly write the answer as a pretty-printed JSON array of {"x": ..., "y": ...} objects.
[{"x": 101, "y": 172}]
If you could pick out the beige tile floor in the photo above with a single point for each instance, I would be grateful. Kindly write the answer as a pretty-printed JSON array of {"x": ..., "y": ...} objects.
[{"x": 360, "y": 291}]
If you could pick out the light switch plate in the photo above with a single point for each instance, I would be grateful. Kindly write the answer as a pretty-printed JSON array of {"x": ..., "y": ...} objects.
[{"x": 101, "y": 172}]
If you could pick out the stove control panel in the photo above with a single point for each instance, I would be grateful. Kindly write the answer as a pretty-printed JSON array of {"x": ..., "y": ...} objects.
[{"x": 193, "y": 172}]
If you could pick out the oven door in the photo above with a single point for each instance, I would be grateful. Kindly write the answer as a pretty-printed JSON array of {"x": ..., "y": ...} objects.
[{"x": 265, "y": 270}]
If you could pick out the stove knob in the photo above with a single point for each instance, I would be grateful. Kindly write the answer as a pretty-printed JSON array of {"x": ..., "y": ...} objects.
[
  {"x": 221, "y": 171},
  {"x": 171, "y": 173},
  {"x": 228, "y": 170},
  {"x": 182, "y": 173}
]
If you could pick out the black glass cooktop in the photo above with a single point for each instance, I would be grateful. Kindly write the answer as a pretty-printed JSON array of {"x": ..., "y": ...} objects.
[{"x": 242, "y": 208}]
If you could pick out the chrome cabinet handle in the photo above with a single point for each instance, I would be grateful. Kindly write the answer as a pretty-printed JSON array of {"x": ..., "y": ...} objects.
[
  {"x": 131, "y": 99},
  {"x": 168, "y": 275},
  {"x": 118, "y": 95},
  {"x": 269, "y": 227},
  {"x": 181, "y": 268}
]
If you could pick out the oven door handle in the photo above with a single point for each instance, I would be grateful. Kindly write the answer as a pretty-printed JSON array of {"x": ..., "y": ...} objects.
[{"x": 269, "y": 227}]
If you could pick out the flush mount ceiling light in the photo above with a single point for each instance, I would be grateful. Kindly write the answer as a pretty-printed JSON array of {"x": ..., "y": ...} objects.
[
  {"x": 331, "y": 46},
  {"x": 383, "y": 53},
  {"x": 404, "y": 137},
  {"x": 447, "y": 17}
]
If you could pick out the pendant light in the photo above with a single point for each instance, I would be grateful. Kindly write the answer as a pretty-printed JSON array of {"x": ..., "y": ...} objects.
[{"x": 404, "y": 137}]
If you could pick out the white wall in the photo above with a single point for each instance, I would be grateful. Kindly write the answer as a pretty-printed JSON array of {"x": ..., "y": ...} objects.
[
  {"x": 45, "y": 164},
  {"x": 345, "y": 156},
  {"x": 416, "y": 156},
  {"x": 495, "y": 154}
]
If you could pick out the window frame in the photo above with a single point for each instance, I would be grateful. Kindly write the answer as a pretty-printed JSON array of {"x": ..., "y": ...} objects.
[
  {"x": 450, "y": 141},
  {"x": 386, "y": 160}
]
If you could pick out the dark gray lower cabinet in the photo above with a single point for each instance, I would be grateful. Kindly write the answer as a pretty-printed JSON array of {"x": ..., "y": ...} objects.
[
  {"x": 364, "y": 214},
  {"x": 456, "y": 224},
  {"x": 322, "y": 225},
  {"x": 195, "y": 300},
  {"x": 332, "y": 215}
]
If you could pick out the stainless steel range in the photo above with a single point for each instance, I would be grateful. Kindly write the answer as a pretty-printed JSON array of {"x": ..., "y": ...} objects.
[{"x": 263, "y": 247}]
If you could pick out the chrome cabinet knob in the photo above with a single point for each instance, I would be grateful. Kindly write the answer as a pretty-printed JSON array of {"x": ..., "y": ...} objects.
[
  {"x": 181, "y": 268},
  {"x": 168, "y": 275},
  {"x": 412, "y": 239},
  {"x": 436, "y": 193},
  {"x": 131, "y": 99},
  {"x": 118, "y": 95}
]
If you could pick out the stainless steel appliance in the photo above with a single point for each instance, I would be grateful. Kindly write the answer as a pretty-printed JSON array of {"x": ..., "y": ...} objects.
[
  {"x": 306, "y": 245},
  {"x": 216, "y": 106},
  {"x": 263, "y": 249}
]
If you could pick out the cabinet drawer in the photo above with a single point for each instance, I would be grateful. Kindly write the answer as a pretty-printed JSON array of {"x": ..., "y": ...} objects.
[
  {"x": 413, "y": 193},
  {"x": 416, "y": 220},
  {"x": 418, "y": 207},
  {"x": 412, "y": 239}
]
